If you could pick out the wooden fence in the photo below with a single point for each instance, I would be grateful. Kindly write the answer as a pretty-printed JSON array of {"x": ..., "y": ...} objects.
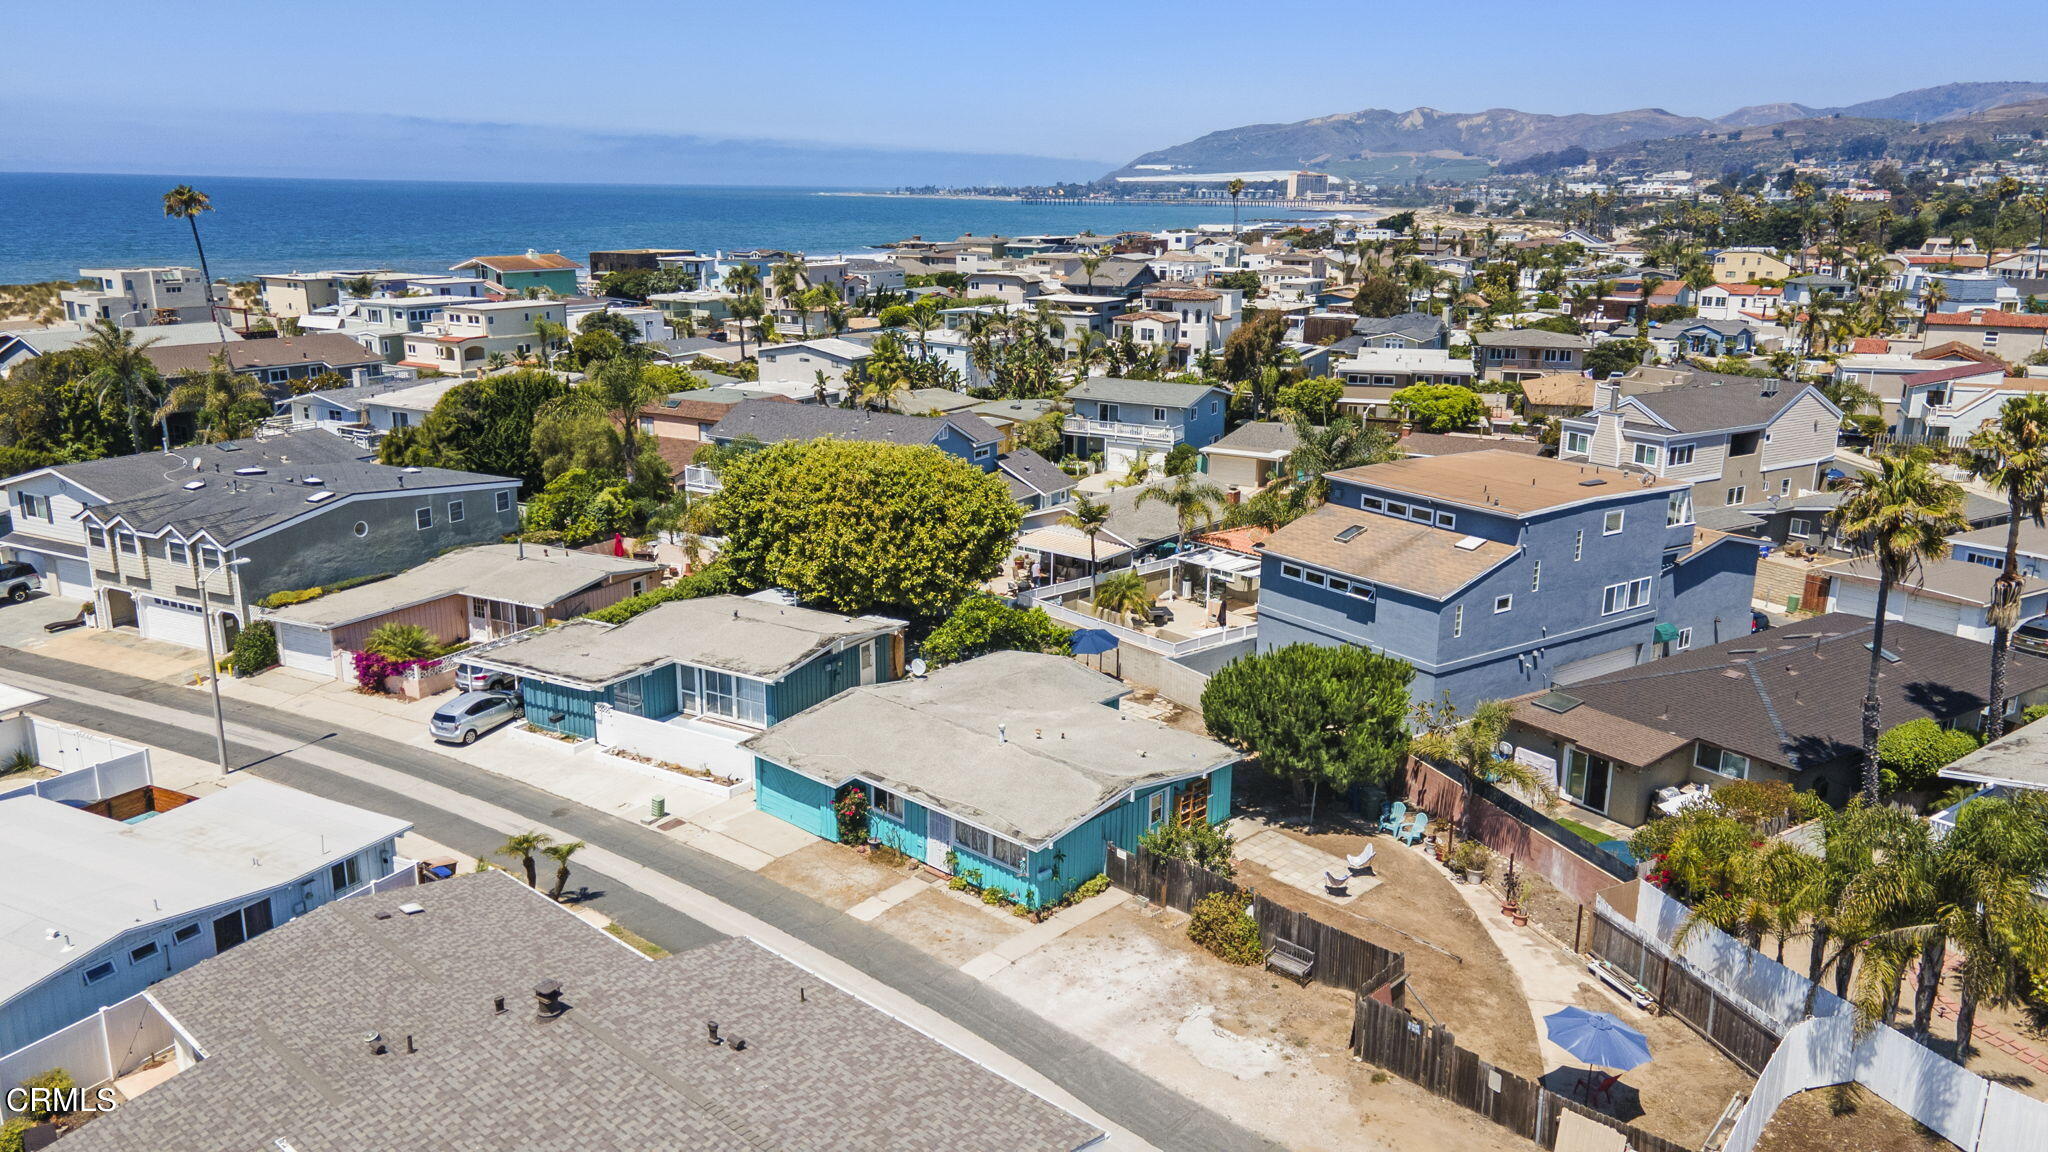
[
  {"x": 1511, "y": 828},
  {"x": 1342, "y": 959},
  {"x": 1383, "y": 1033},
  {"x": 1743, "y": 1036}
]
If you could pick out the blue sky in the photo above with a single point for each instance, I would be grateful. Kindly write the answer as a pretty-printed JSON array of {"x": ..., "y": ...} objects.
[{"x": 1040, "y": 90}]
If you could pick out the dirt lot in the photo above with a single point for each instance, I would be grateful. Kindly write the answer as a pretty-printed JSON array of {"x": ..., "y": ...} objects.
[
  {"x": 1254, "y": 1047},
  {"x": 1809, "y": 1122},
  {"x": 833, "y": 874},
  {"x": 1415, "y": 904},
  {"x": 950, "y": 926}
]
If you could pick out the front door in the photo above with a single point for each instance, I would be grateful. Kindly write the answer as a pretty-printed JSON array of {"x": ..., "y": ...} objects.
[
  {"x": 1192, "y": 806},
  {"x": 938, "y": 832}
]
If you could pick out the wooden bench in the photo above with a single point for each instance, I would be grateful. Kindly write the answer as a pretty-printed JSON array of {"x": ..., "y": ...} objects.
[
  {"x": 1291, "y": 959},
  {"x": 1623, "y": 983}
]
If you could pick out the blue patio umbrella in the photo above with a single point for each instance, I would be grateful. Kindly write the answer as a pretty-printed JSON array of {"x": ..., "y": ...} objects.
[
  {"x": 1598, "y": 1038},
  {"x": 1093, "y": 641}
]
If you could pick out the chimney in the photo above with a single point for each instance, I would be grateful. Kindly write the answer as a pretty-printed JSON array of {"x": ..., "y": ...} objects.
[
  {"x": 547, "y": 998},
  {"x": 1604, "y": 392}
]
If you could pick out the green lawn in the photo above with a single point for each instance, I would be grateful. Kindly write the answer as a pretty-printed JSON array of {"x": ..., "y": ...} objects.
[{"x": 1591, "y": 836}]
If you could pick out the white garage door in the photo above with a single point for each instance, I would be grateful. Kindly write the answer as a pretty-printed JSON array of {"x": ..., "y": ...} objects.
[
  {"x": 74, "y": 579},
  {"x": 170, "y": 621},
  {"x": 306, "y": 649},
  {"x": 1591, "y": 666}
]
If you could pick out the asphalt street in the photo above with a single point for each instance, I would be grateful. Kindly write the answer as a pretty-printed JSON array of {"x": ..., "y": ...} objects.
[{"x": 413, "y": 784}]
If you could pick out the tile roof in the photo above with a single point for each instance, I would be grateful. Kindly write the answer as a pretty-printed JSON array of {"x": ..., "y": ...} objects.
[
  {"x": 1022, "y": 744},
  {"x": 1793, "y": 695},
  {"x": 1503, "y": 482},
  {"x": 1190, "y": 294},
  {"x": 1950, "y": 350},
  {"x": 1986, "y": 318},
  {"x": 282, "y": 1019},
  {"x": 1952, "y": 372},
  {"x": 1390, "y": 550},
  {"x": 149, "y": 493}
]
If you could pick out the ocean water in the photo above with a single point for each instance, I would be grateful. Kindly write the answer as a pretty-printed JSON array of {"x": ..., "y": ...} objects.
[{"x": 59, "y": 223}]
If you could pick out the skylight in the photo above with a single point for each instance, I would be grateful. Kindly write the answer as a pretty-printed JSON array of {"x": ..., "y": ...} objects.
[
  {"x": 1348, "y": 533},
  {"x": 1469, "y": 544}
]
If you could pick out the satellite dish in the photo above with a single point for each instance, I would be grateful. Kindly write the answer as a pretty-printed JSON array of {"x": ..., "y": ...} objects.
[{"x": 917, "y": 667}]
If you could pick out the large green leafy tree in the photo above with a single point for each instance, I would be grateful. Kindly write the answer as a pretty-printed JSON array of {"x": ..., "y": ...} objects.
[
  {"x": 1334, "y": 715},
  {"x": 1439, "y": 407},
  {"x": 52, "y": 407},
  {"x": 863, "y": 526},
  {"x": 984, "y": 624},
  {"x": 1610, "y": 356},
  {"x": 485, "y": 425}
]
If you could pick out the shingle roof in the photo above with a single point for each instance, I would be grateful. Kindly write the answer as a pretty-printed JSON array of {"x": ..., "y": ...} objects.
[
  {"x": 1433, "y": 444},
  {"x": 757, "y": 638},
  {"x": 1388, "y": 550},
  {"x": 1710, "y": 402},
  {"x": 1529, "y": 338},
  {"x": 1413, "y": 325},
  {"x": 770, "y": 423},
  {"x": 1503, "y": 482},
  {"x": 282, "y": 1019},
  {"x": 1027, "y": 473},
  {"x": 1150, "y": 393},
  {"x": 1793, "y": 695},
  {"x": 535, "y": 576},
  {"x": 1022, "y": 744},
  {"x": 328, "y": 349},
  {"x": 1957, "y": 581},
  {"x": 1260, "y": 437},
  {"x": 1559, "y": 390},
  {"x": 1615, "y": 737},
  {"x": 149, "y": 492}
]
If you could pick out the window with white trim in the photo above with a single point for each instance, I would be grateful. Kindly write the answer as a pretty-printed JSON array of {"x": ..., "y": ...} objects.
[
  {"x": 99, "y": 972},
  {"x": 1007, "y": 853},
  {"x": 1684, "y": 639},
  {"x": 125, "y": 540},
  {"x": 34, "y": 506},
  {"x": 454, "y": 511},
  {"x": 1446, "y": 520},
  {"x": 423, "y": 518},
  {"x": 1624, "y": 596},
  {"x": 1578, "y": 545},
  {"x": 141, "y": 952},
  {"x": 1397, "y": 508},
  {"x": 1372, "y": 503},
  {"x": 887, "y": 803},
  {"x": 1799, "y": 528},
  {"x": 1503, "y": 604},
  {"x": 1611, "y": 523},
  {"x": 184, "y": 934},
  {"x": 97, "y": 537},
  {"x": 1291, "y": 571},
  {"x": 209, "y": 557},
  {"x": 1577, "y": 443},
  {"x": 1736, "y": 494},
  {"x": 1678, "y": 455},
  {"x": 1720, "y": 761},
  {"x": 1155, "y": 809},
  {"x": 505, "y": 501},
  {"x": 1646, "y": 455},
  {"x": 1678, "y": 508},
  {"x": 1536, "y": 576},
  {"x": 176, "y": 552},
  {"x": 343, "y": 875}
]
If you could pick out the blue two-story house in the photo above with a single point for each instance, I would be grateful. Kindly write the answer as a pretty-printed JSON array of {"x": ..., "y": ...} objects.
[
  {"x": 1035, "y": 482},
  {"x": 1121, "y": 418},
  {"x": 1496, "y": 573},
  {"x": 685, "y": 682},
  {"x": 1012, "y": 769}
]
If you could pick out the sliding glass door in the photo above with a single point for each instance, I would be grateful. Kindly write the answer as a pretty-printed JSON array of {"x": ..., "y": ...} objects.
[{"x": 1586, "y": 777}]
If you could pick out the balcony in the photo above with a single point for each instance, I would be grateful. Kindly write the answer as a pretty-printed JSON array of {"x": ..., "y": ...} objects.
[
  {"x": 700, "y": 479},
  {"x": 1147, "y": 434}
]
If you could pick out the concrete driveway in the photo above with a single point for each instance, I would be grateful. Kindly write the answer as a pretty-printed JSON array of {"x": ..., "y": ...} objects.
[{"x": 21, "y": 625}]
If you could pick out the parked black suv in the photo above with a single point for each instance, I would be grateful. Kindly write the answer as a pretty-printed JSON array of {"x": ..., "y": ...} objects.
[{"x": 18, "y": 580}]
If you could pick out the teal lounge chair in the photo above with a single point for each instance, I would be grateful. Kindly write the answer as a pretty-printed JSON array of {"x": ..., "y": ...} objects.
[
  {"x": 1414, "y": 831},
  {"x": 1390, "y": 821}
]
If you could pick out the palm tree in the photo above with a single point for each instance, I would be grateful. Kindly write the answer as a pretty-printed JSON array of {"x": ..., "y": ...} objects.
[
  {"x": 1191, "y": 498},
  {"x": 560, "y": 854},
  {"x": 1932, "y": 298},
  {"x": 226, "y": 404},
  {"x": 2011, "y": 456},
  {"x": 1123, "y": 594},
  {"x": 123, "y": 374},
  {"x": 1901, "y": 514},
  {"x": 1319, "y": 450},
  {"x": 742, "y": 279},
  {"x": 522, "y": 847},
  {"x": 1472, "y": 743},
  {"x": 549, "y": 334},
  {"x": 1236, "y": 190},
  {"x": 686, "y": 518},
  {"x": 186, "y": 203},
  {"x": 747, "y": 307},
  {"x": 621, "y": 388},
  {"x": 1090, "y": 516}
]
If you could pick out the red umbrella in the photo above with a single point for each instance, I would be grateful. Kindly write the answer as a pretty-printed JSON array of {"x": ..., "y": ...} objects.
[{"x": 618, "y": 544}]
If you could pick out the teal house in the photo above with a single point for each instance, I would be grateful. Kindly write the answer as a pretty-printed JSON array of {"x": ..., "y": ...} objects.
[
  {"x": 1013, "y": 769},
  {"x": 687, "y": 681},
  {"x": 551, "y": 272}
]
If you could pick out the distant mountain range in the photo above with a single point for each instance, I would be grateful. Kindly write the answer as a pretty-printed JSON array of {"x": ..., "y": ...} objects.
[{"x": 1378, "y": 143}]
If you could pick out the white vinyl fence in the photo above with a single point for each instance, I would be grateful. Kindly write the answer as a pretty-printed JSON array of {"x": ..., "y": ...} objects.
[
  {"x": 1968, "y": 1111},
  {"x": 89, "y": 766},
  {"x": 111, "y": 1042}
]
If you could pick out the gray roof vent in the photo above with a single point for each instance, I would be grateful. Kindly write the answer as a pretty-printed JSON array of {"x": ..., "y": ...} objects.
[
  {"x": 1595, "y": 482},
  {"x": 192, "y": 484},
  {"x": 251, "y": 470}
]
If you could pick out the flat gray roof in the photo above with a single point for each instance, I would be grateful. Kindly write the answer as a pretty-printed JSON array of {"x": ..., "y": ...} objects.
[
  {"x": 2018, "y": 759},
  {"x": 1018, "y": 743},
  {"x": 91, "y": 878},
  {"x": 282, "y": 1019},
  {"x": 757, "y": 639},
  {"x": 543, "y": 576}
]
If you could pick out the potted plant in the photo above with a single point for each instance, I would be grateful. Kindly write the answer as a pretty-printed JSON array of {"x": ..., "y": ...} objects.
[
  {"x": 1511, "y": 895},
  {"x": 1469, "y": 859}
]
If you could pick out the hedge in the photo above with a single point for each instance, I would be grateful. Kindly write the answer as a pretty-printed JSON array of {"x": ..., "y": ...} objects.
[{"x": 711, "y": 580}]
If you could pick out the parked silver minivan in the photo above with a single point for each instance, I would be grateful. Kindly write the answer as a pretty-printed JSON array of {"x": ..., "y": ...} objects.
[{"x": 471, "y": 714}]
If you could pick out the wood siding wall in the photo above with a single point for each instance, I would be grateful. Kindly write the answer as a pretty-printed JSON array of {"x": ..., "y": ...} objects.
[{"x": 447, "y": 618}]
